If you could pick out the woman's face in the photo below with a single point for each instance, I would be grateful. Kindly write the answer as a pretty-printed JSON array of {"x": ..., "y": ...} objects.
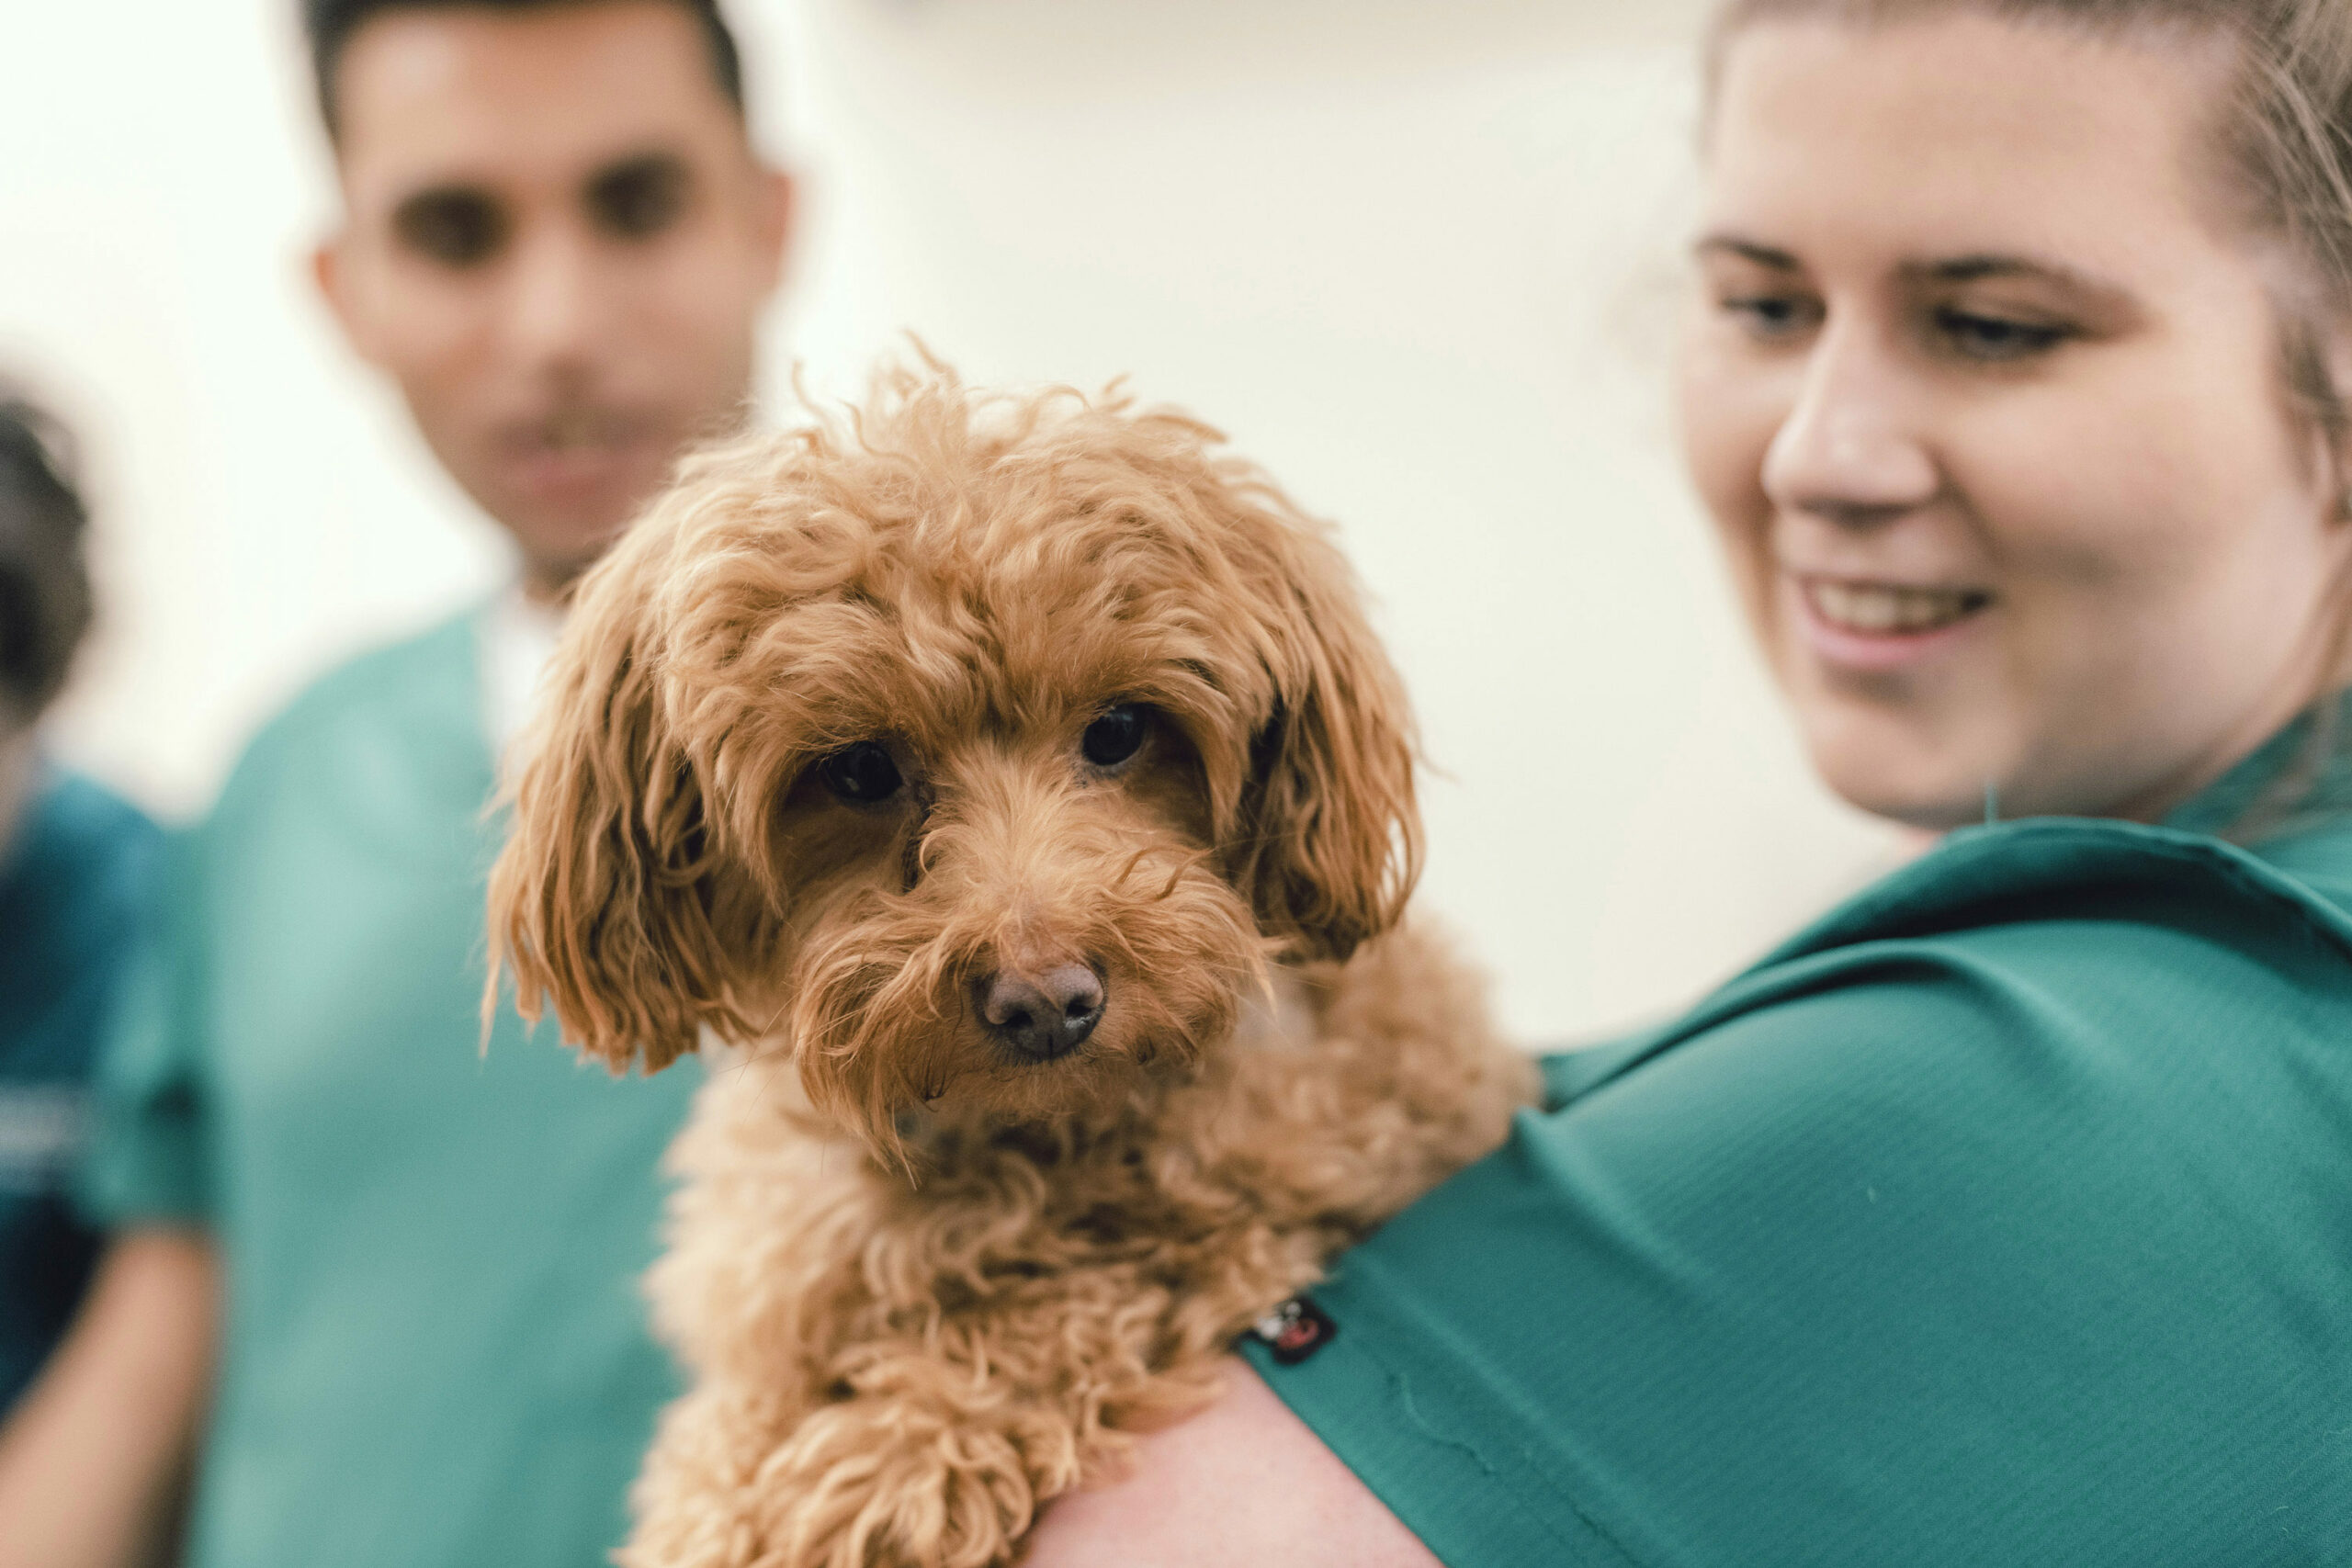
[{"x": 1986, "y": 399}]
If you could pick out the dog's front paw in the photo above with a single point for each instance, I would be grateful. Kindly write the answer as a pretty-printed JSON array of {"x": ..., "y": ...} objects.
[
  {"x": 867, "y": 1483},
  {"x": 886, "y": 1482}
]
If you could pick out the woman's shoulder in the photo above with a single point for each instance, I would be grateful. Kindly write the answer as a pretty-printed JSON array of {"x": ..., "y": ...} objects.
[
  {"x": 2067, "y": 928},
  {"x": 2065, "y": 867}
]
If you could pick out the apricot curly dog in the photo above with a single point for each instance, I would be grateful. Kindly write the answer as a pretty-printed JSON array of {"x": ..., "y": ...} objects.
[{"x": 1016, "y": 781}]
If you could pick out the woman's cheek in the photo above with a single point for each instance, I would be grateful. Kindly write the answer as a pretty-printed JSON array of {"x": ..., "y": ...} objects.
[{"x": 1728, "y": 420}]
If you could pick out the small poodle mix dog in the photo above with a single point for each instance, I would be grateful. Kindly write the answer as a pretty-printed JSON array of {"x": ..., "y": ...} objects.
[{"x": 1014, "y": 786}]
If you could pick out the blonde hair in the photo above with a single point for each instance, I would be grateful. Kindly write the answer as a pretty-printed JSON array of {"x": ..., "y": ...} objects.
[{"x": 2282, "y": 135}]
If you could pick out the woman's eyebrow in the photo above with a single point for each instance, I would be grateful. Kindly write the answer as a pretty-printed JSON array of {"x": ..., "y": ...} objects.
[{"x": 1972, "y": 268}]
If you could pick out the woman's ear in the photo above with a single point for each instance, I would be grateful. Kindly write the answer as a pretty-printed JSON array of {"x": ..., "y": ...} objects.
[
  {"x": 1331, "y": 841},
  {"x": 2316, "y": 347},
  {"x": 608, "y": 902}
]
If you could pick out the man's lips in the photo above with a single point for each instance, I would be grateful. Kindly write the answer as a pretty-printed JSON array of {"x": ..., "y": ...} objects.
[{"x": 576, "y": 451}]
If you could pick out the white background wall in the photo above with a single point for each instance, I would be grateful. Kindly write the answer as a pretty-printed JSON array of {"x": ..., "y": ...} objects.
[{"x": 1418, "y": 256}]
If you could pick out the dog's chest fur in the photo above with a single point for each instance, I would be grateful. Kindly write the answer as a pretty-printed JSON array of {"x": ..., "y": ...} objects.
[{"x": 1095, "y": 1272}]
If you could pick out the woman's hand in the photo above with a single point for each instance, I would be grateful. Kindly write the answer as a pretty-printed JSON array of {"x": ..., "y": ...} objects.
[{"x": 1244, "y": 1481}]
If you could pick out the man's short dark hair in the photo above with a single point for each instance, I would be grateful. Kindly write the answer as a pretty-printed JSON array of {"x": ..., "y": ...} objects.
[
  {"x": 330, "y": 24},
  {"x": 44, "y": 573}
]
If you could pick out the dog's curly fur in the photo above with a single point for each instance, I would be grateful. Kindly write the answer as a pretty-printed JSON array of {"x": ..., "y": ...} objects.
[{"x": 924, "y": 1282}]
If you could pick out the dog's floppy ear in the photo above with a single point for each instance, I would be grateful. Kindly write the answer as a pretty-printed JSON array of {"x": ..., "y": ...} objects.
[
  {"x": 609, "y": 903},
  {"x": 1331, "y": 839}
]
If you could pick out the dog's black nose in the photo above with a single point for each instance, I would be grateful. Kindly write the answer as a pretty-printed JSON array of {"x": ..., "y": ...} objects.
[{"x": 1043, "y": 1016}]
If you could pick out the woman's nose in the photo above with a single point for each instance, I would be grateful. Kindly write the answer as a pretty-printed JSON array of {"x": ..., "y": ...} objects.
[{"x": 1852, "y": 448}]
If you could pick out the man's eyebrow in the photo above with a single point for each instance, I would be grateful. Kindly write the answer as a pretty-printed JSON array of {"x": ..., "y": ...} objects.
[
  {"x": 444, "y": 190},
  {"x": 1748, "y": 250},
  {"x": 444, "y": 201},
  {"x": 441, "y": 195},
  {"x": 641, "y": 162}
]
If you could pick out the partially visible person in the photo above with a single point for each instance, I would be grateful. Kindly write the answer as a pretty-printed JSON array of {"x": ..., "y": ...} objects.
[
  {"x": 77, "y": 868},
  {"x": 557, "y": 242}
]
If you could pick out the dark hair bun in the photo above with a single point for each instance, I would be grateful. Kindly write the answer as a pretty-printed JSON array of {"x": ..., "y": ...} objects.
[{"x": 44, "y": 572}]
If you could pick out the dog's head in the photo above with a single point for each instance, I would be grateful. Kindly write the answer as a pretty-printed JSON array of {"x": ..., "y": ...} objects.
[{"x": 977, "y": 749}]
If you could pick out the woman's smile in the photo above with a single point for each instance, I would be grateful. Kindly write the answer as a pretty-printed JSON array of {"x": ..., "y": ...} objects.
[{"x": 1872, "y": 626}]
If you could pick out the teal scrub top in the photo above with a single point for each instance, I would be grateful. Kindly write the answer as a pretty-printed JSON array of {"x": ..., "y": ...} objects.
[
  {"x": 434, "y": 1351},
  {"x": 77, "y": 884},
  {"x": 2004, "y": 1215}
]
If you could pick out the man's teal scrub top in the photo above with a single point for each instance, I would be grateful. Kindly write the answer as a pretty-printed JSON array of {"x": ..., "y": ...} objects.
[
  {"x": 435, "y": 1347},
  {"x": 2003, "y": 1216}
]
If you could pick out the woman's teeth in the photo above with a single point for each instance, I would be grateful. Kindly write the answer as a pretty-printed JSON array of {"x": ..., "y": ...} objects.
[{"x": 1873, "y": 608}]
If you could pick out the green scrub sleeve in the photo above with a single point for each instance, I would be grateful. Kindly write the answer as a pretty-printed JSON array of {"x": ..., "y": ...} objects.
[
  {"x": 146, "y": 1161},
  {"x": 2005, "y": 1217}
]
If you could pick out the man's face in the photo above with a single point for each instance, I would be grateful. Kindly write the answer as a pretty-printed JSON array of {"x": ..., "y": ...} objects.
[{"x": 558, "y": 242}]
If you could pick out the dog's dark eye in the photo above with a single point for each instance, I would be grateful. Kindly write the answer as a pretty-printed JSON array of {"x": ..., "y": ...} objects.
[
  {"x": 862, "y": 772},
  {"x": 1115, "y": 736}
]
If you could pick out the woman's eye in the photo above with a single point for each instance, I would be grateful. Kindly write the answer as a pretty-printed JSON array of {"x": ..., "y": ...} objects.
[
  {"x": 1115, "y": 736},
  {"x": 862, "y": 774},
  {"x": 1769, "y": 316},
  {"x": 1995, "y": 337}
]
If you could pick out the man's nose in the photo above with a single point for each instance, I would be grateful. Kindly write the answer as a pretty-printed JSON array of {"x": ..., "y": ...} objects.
[
  {"x": 558, "y": 309},
  {"x": 1854, "y": 447}
]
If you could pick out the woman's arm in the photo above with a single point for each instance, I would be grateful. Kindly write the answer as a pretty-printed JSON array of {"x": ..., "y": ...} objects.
[
  {"x": 91, "y": 1461},
  {"x": 1244, "y": 1481}
]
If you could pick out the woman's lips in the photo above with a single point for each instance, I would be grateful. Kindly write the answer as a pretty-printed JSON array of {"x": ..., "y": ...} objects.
[{"x": 1870, "y": 626}]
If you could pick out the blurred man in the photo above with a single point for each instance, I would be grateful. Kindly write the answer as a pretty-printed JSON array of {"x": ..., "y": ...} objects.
[
  {"x": 76, "y": 871},
  {"x": 431, "y": 1348}
]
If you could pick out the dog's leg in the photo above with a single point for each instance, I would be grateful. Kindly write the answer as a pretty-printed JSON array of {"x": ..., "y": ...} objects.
[
  {"x": 936, "y": 1470},
  {"x": 942, "y": 1446},
  {"x": 697, "y": 1498},
  {"x": 911, "y": 1477}
]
